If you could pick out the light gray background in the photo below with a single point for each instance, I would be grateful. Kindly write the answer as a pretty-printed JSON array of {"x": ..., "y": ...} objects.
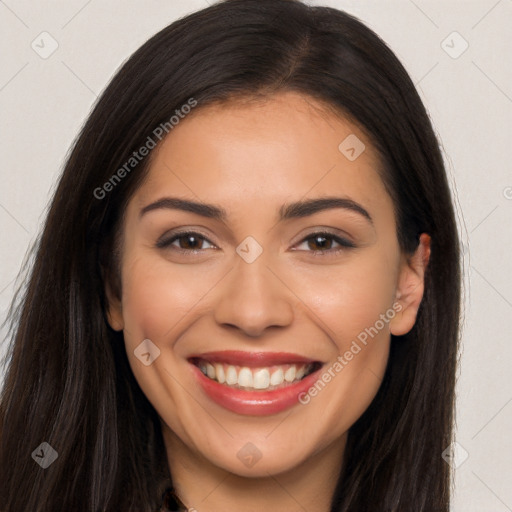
[{"x": 45, "y": 101}]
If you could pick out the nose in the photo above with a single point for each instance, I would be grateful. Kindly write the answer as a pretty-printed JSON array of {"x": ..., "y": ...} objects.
[{"x": 254, "y": 298}]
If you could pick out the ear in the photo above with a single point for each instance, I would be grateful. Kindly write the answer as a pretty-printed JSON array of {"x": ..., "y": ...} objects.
[
  {"x": 410, "y": 287},
  {"x": 114, "y": 309}
]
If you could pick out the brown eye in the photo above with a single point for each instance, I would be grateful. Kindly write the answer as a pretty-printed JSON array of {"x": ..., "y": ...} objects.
[
  {"x": 323, "y": 242},
  {"x": 188, "y": 241}
]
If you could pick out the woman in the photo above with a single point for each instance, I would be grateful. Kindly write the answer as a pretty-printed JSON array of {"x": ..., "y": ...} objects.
[{"x": 190, "y": 330}]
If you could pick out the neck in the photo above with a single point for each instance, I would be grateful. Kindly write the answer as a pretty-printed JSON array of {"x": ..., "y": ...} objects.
[{"x": 205, "y": 487}]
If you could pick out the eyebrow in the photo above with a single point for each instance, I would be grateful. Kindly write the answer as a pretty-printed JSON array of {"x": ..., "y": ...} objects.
[{"x": 294, "y": 210}]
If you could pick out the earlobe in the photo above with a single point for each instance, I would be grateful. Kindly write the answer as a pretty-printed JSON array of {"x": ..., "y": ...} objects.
[{"x": 410, "y": 288}]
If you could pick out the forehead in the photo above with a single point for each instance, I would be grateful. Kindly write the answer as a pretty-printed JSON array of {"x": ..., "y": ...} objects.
[{"x": 248, "y": 155}]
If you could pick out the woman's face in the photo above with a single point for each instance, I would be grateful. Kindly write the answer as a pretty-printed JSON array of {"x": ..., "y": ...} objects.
[{"x": 259, "y": 295}]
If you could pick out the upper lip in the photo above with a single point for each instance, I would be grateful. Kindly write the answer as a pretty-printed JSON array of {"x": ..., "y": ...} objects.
[{"x": 251, "y": 359}]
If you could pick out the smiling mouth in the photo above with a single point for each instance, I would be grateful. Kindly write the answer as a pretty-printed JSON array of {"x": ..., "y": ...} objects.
[{"x": 264, "y": 378}]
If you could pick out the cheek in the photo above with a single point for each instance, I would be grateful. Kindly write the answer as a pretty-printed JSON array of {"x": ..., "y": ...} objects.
[
  {"x": 355, "y": 305},
  {"x": 351, "y": 297},
  {"x": 159, "y": 303},
  {"x": 157, "y": 299}
]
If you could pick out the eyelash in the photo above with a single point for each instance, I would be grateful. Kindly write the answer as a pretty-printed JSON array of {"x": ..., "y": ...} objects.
[{"x": 343, "y": 242}]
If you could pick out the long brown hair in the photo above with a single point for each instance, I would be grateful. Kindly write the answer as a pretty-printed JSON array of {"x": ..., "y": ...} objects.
[{"x": 68, "y": 381}]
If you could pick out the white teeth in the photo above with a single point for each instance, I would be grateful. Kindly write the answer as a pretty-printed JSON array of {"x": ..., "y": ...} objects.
[
  {"x": 219, "y": 370},
  {"x": 261, "y": 379},
  {"x": 254, "y": 378},
  {"x": 245, "y": 378},
  {"x": 210, "y": 371},
  {"x": 231, "y": 375},
  {"x": 289, "y": 376},
  {"x": 277, "y": 377}
]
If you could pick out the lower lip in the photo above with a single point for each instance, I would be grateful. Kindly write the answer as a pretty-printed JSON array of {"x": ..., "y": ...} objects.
[{"x": 254, "y": 403}]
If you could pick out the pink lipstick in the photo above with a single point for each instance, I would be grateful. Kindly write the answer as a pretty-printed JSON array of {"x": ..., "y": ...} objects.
[{"x": 254, "y": 383}]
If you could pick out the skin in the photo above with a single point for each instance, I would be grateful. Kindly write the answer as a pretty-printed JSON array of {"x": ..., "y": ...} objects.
[{"x": 250, "y": 158}]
